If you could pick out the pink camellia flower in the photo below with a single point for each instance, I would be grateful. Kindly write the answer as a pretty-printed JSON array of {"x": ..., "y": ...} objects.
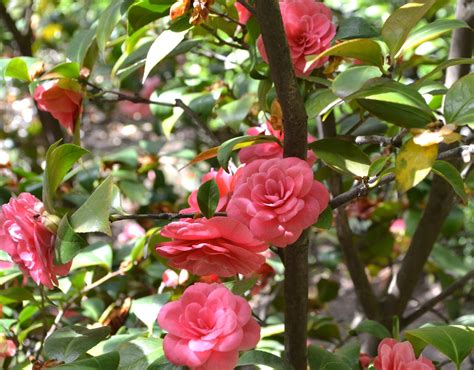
[
  {"x": 309, "y": 30},
  {"x": 244, "y": 14},
  {"x": 171, "y": 279},
  {"x": 269, "y": 150},
  {"x": 27, "y": 240},
  {"x": 225, "y": 183},
  {"x": 207, "y": 327},
  {"x": 393, "y": 355},
  {"x": 62, "y": 99},
  {"x": 277, "y": 199},
  {"x": 131, "y": 231},
  {"x": 398, "y": 226},
  {"x": 217, "y": 246},
  {"x": 364, "y": 360},
  {"x": 7, "y": 347}
]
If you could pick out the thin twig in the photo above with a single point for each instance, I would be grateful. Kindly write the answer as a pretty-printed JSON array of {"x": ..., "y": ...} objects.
[
  {"x": 221, "y": 40},
  {"x": 225, "y": 16},
  {"x": 428, "y": 305},
  {"x": 160, "y": 216},
  {"x": 382, "y": 140}
]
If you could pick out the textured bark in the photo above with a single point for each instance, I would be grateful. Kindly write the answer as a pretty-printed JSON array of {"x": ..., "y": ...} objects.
[{"x": 295, "y": 145}]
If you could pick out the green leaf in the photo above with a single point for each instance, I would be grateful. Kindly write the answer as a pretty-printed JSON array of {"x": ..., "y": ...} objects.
[
  {"x": 373, "y": 328},
  {"x": 352, "y": 80},
  {"x": 366, "y": 50},
  {"x": 68, "y": 243},
  {"x": 161, "y": 47},
  {"x": 459, "y": 101},
  {"x": 262, "y": 358},
  {"x": 148, "y": 308},
  {"x": 14, "y": 295},
  {"x": 143, "y": 12},
  {"x": 68, "y": 343},
  {"x": 208, "y": 198},
  {"x": 325, "y": 219},
  {"x": 398, "y": 26},
  {"x": 350, "y": 354},
  {"x": 18, "y": 68},
  {"x": 63, "y": 70},
  {"x": 232, "y": 114},
  {"x": 327, "y": 290},
  {"x": 81, "y": 44},
  {"x": 240, "y": 287},
  {"x": 320, "y": 359},
  {"x": 107, "y": 21},
  {"x": 430, "y": 32},
  {"x": 450, "y": 173},
  {"x": 107, "y": 361},
  {"x": 320, "y": 102},
  {"x": 98, "y": 254},
  {"x": 59, "y": 160},
  {"x": 394, "y": 102},
  {"x": 342, "y": 156},
  {"x": 440, "y": 67},
  {"x": 93, "y": 215},
  {"x": 139, "y": 353},
  {"x": 413, "y": 164},
  {"x": 454, "y": 341},
  {"x": 355, "y": 28},
  {"x": 225, "y": 150},
  {"x": 377, "y": 166}
]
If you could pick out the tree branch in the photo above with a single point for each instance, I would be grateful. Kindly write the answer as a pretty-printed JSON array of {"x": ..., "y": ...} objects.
[
  {"x": 295, "y": 145},
  {"x": 428, "y": 305},
  {"x": 23, "y": 41},
  {"x": 159, "y": 216}
]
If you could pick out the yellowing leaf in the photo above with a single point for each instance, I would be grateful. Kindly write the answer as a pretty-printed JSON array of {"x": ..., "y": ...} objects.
[
  {"x": 445, "y": 134},
  {"x": 413, "y": 164}
]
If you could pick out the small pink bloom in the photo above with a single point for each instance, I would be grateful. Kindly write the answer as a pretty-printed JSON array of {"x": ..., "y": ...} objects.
[
  {"x": 225, "y": 183},
  {"x": 398, "y": 226},
  {"x": 269, "y": 150},
  {"x": 171, "y": 279},
  {"x": 131, "y": 231},
  {"x": 309, "y": 31},
  {"x": 219, "y": 245},
  {"x": 7, "y": 347},
  {"x": 207, "y": 327},
  {"x": 277, "y": 199},
  {"x": 61, "y": 102},
  {"x": 244, "y": 14},
  {"x": 364, "y": 360},
  {"x": 28, "y": 242},
  {"x": 393, "y": 355}
]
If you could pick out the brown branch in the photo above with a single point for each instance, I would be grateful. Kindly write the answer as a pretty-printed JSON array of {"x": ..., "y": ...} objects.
[
  {"x": 295, "y": 145},
  {"x": 24, "y": 41},
  {"x": 428, "y": 305},
  {"x": 381, "y": 140},
  {"x": 159, "y": 216}
]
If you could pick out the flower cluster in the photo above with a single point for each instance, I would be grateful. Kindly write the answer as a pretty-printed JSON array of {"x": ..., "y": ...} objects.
[{"x": 29, "y": 243}]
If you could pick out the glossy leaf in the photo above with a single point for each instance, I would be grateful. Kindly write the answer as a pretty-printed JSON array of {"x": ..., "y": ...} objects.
[
  {"x": 459, "y": 101},
  {"x": 320, "y": 359},
  {"x": 431, "y": 31},
  {"x": 161, "y": 47},
  {"x": 373, "y": 328},
  {"x": 107, "y": 361},
  {"x": 68, "y": 243},
  {"x": 93, "y": 215},
  {"x": 15, "y": 294},
  {"x": 107, "y": 22},
  {"x": 321, "y": 102},
  {"x": 397, "y": 27},
  {"x": 98, "y": 254},
  {"x": 352, "y": 80},
  {"x": 143, "y": 12},
  {"x": 413, "y": 164},
  {"x": 377, "y": 166},
  {"x": 366, "y": 50},
  {"x": 139, "y": 353},
  {"x": 68, "y": 343},
  {"x": 240, "y": 287},
  {"x": 440, "y": 67},
  {"x": 82, "y": 44},
  {"x": 208, "y": 198},
  {"x": 450, "y": 173},
  {"x": 325, "y": 219},
  {"x": 454, "y": 341},
  {"x": 148, "y": 308},
  {"x": 225, "y": 150},
  {"x": 59, "y": 160},
  {"x": 262, "y": 358},
  {"x": 63, "y": 70},
  {"x": 394, "y": 102},
  {"x": 354, "y": 28},
  {"x": 19, "y": 68},
  {"x": 342, "y": 156}
]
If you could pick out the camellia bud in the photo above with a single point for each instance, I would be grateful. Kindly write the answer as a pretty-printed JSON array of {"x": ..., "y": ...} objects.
[{"x": 51, "y": 222}]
